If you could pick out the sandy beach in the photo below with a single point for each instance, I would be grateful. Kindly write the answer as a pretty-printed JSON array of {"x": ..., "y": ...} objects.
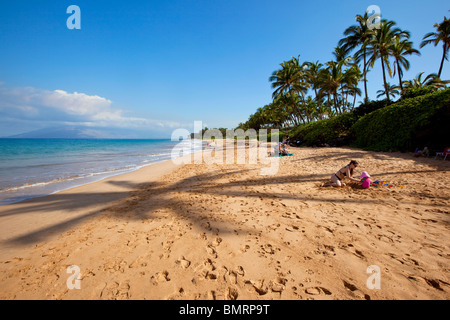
[{"x": 224, "y": 231}]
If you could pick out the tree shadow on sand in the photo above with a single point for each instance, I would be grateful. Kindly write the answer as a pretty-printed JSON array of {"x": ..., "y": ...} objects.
[
  {"x": 148, "y": 198},
  {"x": 348, "y": 154}
]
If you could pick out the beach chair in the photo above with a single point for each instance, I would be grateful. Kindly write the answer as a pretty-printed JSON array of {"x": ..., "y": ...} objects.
[{"x": 443, "y": 154}]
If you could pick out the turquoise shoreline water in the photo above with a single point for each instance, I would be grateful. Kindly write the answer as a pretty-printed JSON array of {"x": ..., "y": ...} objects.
[{"x": 37, "y": 167}]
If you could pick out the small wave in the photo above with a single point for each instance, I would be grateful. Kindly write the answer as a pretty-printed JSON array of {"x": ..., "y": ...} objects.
[
  {"x": 159, "y": 154},
  {"x": 50, "y": 185},
  {"x": 66, "y": 179}
]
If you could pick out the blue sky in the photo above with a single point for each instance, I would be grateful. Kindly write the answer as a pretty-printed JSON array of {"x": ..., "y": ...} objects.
[{"x": 154, "y": 66}]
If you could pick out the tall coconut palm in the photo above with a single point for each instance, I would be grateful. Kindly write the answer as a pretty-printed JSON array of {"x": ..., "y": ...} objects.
[
  {"x": 442, "y": 35},
  {"x": 340, "y": 53},
  {"x": 358, "y": 36},
  {"x": 352, "y": 76},
  {"x": 380, "y": 46},
  {"x": 284, "y": 79},
  {"x": 290, "y": 78},
  {"x": 400, "y": 49},
  {"x": 332, "y": 78},
  {"x": 313, "y": 76}
]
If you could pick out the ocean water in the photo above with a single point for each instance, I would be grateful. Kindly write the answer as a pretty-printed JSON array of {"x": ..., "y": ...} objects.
[{"x": 37, "y": 167}]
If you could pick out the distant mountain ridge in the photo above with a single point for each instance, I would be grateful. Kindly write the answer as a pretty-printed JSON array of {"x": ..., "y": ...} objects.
[
  {"x": 75, "y": 132},
  {"x": 63, "y": 133}
]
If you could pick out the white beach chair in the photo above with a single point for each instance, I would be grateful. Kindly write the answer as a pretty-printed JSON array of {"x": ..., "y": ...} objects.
[{"x": 443, "y": 154}]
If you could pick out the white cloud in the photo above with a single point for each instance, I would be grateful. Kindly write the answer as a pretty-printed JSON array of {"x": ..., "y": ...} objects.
[
  {"x": 65, "y": 107},
  {"x": 75, "y": 103}
]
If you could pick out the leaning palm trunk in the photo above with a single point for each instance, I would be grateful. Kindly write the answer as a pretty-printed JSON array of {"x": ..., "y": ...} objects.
[
  {"x": 329, "y": 105},
  {"x": 307, "y": 114},
  {"x": 399, "y": 77},
  {"x": 442, "y": 62},
  {"x": 336, "y": 105},
  {"x": 384, "y": 79},
  {"x": 294, "y": 105},
  {"x": 365, "y": 77}
]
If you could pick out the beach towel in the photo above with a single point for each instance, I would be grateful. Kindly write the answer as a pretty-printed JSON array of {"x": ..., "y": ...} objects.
[{"x": 286, "y": 155}]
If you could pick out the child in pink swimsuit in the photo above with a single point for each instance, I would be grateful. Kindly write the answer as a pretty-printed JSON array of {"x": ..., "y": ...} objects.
[{"x": 365, "y": 179}]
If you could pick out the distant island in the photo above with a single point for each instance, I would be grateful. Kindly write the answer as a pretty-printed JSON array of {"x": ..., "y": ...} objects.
[{"x": 80, "y": 132}]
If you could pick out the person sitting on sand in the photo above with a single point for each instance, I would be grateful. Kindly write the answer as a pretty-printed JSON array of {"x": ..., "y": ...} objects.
[
  {"x": 282, "y": 149},
  {"x": 347, "y": 171},
  {"x": 365, "y": 179},
  {"x": 422, "y": 153},
  {"x": 279, "y": 149}
]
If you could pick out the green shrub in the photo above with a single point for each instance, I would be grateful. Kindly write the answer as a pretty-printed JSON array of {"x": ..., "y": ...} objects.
[
  {"x": 328, "y": 131},
  {"x": 405, "y": 124},
  {"x": 412, "y": 93},
  {"x": 368, "y": 107}
]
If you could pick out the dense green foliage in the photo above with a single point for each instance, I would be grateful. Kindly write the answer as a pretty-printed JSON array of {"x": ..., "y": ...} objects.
[
  {"x": 319, "y": 100},
  {"x": 411, "y": 93},
  {"x": 370, "y": 106},
  {"x": 410, "y": 123},
  {"x": 382, "y": 126},
  {"x": 333, "y": 131}
]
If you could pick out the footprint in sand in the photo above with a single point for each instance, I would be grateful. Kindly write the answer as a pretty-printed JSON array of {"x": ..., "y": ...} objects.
[
  {"x": 436, "y": 283},
  {"x": 118, "y": 265},
  {"x": 355, "y": 292},
  {"x": 231, "y": 294},
  {"x": 116, "y": 291},
  {"x": 359, "y": 254},
  {"x": 217, "y": 241},
  {"x": 178, "y": 294},
  {"x": 278, "y": 285},
  {"x": 183, "y": 262},
  {"x": 209, "y": 265},
  {"x": 234, "y": 274},
  {"x": 245, "y": 248},
  {"x": 160, "y": 277},
  {"x": 206, "y": 225},
  {"x": 257, "y": 287},
  {"x": 267, "y": 248},
  {"x": 210, "y": 249},
  {"x": 314, "y": 291}
]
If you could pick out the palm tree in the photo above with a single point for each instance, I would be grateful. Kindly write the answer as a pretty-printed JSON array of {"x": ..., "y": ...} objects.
[
  {"x": 313, "y": 76},
  {"x": 320, "y": 110},
  {"x": 285, "y": 102},
  {"x": 358, "y": 36},
  {"x": 290, "y": 78},
  {"x": 400, "y": 49},
  {"x": 352, "y": 76},
  {"x": 431, "y": 80},
  {"x": 340, "y": 53},
  {"x": 392, "y": 91},
  {"x": 332, "y": 78},
  {"x": 381, "y": 48},
  {"x": 311, "y": 108},
  {"x": 442, "y": 35},
  {"x": 275, "y": 115},
  {"x": 283, "y": 80}
]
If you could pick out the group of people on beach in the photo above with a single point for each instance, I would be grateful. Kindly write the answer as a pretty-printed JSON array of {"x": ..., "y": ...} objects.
[{"x": 337, "y": 179}]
